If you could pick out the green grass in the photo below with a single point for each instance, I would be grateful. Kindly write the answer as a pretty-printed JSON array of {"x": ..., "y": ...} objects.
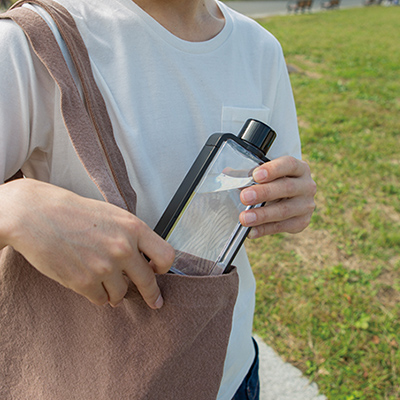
[{"x": 328, "y": 299}]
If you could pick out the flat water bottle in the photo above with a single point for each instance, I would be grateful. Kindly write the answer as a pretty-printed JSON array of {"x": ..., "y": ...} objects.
[{"x": 202, "y": 220}]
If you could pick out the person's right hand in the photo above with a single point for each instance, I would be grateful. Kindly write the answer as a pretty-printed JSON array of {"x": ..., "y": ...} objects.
[{"x": 89, "y": 246}]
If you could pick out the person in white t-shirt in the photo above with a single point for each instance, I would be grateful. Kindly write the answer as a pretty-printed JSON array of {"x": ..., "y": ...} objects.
[{"x": 180, "y": 70}]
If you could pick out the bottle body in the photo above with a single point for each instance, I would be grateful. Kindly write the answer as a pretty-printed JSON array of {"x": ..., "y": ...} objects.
[{"x": 202, "y": 220}]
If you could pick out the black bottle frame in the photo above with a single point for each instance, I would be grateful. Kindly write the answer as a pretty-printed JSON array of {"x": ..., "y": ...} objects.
[
  {"x": 255, "y": 137},
  {"x": 194, "y": 176}
]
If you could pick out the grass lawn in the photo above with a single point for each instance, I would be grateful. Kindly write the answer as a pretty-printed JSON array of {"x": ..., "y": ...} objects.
[{"x": 328, "y": 300}]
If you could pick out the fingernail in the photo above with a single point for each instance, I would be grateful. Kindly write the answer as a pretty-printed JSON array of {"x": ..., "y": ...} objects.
[
  {"x": 260, "y": 174},
  {"x": 249, "y": 217},
  {"x": 159, "y": 302},
  {"x": 249, "y": 195},
  {"x": 253, "y": 233}
]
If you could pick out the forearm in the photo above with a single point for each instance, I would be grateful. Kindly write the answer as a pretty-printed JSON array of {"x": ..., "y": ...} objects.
[
  {"x": 10, "y": 214},
  {"x": 25, "y": 207}
]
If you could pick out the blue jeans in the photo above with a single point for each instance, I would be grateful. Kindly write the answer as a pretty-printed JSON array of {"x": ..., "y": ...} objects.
[{"x": 249, "y": 389}]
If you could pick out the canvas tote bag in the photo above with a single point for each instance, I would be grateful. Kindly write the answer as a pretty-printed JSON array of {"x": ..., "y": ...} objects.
[{"x": 54, "y": 343}]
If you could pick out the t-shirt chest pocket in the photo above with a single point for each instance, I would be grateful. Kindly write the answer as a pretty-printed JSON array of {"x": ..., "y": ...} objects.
[{"x": 233, "y": 118}]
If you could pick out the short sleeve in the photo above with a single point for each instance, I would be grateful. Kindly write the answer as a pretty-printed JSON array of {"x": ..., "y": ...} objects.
[
  {"x": 26, "y": 100},
  {"x": 284, "y": 117}
]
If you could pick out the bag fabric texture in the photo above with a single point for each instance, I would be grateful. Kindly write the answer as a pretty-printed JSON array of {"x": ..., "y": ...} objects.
[{"x": 54, "y": 343}]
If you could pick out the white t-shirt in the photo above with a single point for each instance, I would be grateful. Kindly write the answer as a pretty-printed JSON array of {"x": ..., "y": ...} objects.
[{"x": 165, "y": 96}]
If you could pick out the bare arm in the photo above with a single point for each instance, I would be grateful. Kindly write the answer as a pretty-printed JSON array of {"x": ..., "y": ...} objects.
[{"x": 89, "y": 246}]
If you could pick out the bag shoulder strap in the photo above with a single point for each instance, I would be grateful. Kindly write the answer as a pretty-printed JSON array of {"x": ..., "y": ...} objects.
[{"x": 89, "y": 127}]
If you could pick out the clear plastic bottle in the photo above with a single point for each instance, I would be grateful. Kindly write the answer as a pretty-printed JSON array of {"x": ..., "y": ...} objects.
[{"x": 202, "y": 220}]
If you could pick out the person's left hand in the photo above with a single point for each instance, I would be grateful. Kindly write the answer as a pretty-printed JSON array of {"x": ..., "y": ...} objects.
[{"x": 285, "y": 184}]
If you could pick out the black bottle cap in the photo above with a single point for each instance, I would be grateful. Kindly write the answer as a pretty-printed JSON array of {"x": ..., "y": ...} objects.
[{"x": 258, "y": 134}]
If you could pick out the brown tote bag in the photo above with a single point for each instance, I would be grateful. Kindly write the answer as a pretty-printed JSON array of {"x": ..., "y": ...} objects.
[{"x": 54, "y": 343}]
